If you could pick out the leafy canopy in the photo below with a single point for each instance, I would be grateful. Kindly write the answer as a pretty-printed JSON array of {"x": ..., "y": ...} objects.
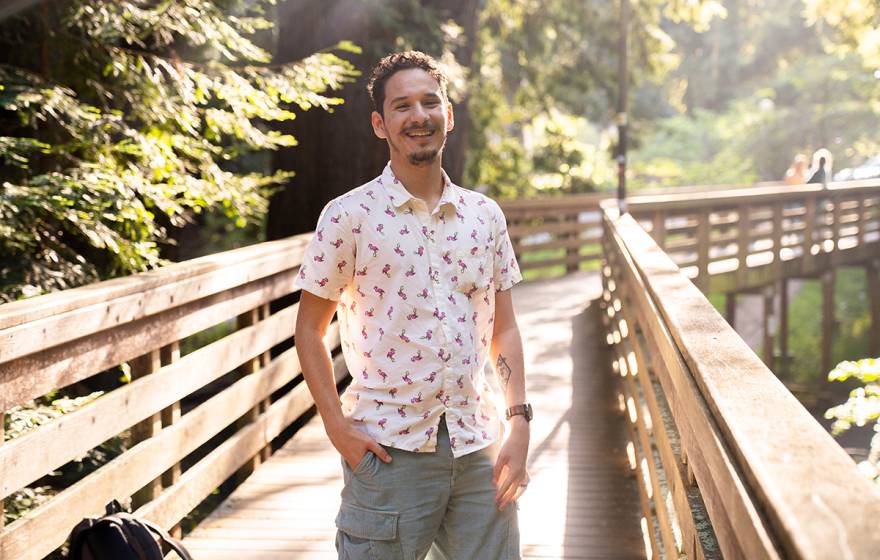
[
  {"x": 544, "y": 88},
  {"x": 121, "y": 119}
]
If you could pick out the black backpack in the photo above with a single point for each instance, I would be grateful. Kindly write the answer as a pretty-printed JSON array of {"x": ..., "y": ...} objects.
[{"x": 121, "y": 536}]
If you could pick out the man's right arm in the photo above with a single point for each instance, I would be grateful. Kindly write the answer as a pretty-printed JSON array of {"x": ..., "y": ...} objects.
[{"x": 313, "y": 318}]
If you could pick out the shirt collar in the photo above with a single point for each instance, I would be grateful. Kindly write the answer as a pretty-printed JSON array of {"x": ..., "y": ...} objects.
[{"x": 400, "y": 196}]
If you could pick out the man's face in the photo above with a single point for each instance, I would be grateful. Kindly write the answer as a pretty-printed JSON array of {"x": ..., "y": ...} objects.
[{"x": 417, "y": 117}]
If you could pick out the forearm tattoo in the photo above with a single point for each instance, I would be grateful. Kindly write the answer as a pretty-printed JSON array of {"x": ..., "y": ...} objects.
[{"x": 503, "y": 370}]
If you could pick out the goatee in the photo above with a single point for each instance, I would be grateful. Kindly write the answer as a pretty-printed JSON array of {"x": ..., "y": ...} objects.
[{"x": 424, "y": 158}]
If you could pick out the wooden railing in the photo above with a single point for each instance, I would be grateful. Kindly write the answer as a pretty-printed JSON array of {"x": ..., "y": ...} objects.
[
  {"x": 700, "y": 228},
  {"x": 729, "y": 464},
  {"x": 730, "y": 240},
  {"x": 68, "y": 337},
  {"x": 557, "y": 234}
]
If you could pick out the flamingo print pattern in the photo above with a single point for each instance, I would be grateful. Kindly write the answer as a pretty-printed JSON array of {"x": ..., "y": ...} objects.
[{"x": 428, "y": 279}]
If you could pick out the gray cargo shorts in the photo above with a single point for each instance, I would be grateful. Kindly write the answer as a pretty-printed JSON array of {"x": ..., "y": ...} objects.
[{"x": 425, "y": 503}]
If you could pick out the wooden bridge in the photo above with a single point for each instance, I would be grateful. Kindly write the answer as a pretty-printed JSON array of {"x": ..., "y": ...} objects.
[{"x": 658, "y": 433}]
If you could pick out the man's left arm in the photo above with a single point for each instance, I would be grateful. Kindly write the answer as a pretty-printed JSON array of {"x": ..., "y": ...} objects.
[{"x": 510, "y": 474}]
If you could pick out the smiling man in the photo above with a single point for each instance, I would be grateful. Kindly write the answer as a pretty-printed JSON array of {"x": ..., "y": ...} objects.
[{"x": 419, "y": 271}]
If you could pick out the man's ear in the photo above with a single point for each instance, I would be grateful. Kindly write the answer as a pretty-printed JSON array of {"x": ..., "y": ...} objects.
[
  {"x": 450, "y": 117},
  {"x": 378, "y": 125}
]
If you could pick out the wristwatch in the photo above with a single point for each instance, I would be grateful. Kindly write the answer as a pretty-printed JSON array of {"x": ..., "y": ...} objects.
[{"x": 519, "y": 409}]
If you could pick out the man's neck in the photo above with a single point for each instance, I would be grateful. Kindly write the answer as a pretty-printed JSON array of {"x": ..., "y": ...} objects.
[{"x": 424, "y": 182}]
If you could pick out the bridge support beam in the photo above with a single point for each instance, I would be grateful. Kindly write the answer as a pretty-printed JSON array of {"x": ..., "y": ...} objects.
[
  {"x": 769, "y": 319},
  {"x": 730, "y": 309},
  {"x": 784, "y": 358},
  {"x": 828, "y": 327},
  {"x": 872, "y": 272}
]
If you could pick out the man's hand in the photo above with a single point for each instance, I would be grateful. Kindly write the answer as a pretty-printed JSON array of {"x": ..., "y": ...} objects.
[
  {"x": 353, "y": 444},
  {"x": 510, "y": 475}
]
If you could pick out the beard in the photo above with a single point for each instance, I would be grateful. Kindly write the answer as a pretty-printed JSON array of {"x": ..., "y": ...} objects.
[{"x": 423, "y": 157}]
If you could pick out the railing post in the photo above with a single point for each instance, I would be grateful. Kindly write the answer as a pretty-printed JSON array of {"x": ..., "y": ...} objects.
[
  {"x": 572, "y": 252},
  {"x": 265, "y": 358},
  {"x": 168, "y": 355},
  {"x": 872, "y": 271},
  {"x": 777, "y": 240},
  {"x": 244, "y": 320},
  {"x": 835, "y": 227},
  {"x": 769, "y": 321},
  {"x": 141, "y": 366},
  {"x": 658, "y": 229},
  {"x": 730, "y": 309},
  {"x": 809, "y": 227},
  {"x": 860, "y": 223},
  {"x": 744, "y": 233},
  {"x": 703, "y": 230}
]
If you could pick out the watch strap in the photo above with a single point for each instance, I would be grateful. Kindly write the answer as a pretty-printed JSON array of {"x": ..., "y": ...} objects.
[{"x": 519, "y": 410}]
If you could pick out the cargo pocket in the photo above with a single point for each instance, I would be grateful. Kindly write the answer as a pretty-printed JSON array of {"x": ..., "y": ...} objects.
[{"x": 366, "y": 534}]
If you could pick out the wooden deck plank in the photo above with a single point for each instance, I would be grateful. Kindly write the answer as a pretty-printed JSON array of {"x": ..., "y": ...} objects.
[{"x": 582, "y": 502}]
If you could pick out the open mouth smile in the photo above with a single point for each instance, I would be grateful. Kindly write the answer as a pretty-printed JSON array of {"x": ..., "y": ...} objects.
[{"x": 419, "y": 133}]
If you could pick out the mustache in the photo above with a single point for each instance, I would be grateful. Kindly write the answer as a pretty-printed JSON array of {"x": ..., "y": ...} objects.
[{"x": 429, "y": 127}]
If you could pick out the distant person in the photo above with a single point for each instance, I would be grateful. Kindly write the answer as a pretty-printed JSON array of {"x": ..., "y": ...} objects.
[
  {"x": 821, "y": 167},
  {"x": 797, "y": 173}
]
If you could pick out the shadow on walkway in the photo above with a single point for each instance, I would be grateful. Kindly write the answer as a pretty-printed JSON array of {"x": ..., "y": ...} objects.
[{"x": 603, "y": 518}]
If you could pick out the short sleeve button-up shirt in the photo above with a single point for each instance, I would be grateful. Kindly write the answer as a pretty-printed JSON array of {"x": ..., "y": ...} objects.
[{"x": 416, "y": 292}]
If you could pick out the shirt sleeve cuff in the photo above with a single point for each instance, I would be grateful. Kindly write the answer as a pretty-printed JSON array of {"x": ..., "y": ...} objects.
[
  {"x": 327, "y": 292},
  {"x": 508, "y": 281}
]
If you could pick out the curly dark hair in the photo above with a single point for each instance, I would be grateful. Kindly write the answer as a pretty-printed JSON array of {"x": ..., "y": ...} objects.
[{"x": 396, "y": 62}]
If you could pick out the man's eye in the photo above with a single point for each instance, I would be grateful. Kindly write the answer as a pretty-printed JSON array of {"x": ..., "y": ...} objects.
[
  {"x": 402, "y": 107},
  {"x": 432, "y": 103}
]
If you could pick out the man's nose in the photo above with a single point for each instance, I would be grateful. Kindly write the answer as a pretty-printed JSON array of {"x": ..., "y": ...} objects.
[{"x": 419, "y": 112}]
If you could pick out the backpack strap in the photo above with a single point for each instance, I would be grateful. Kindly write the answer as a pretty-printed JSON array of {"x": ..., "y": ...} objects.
[{"x": 168, "y": 542}]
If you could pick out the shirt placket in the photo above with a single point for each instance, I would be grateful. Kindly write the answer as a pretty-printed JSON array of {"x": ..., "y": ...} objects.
[{"x": 439, "y": 292}]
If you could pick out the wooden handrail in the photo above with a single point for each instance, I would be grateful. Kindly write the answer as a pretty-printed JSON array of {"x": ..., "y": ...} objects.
[
  {"x": 738, "y": 240},
  {"x": 52, "y": 341},
  {"x": 773, "y": 482},
  {"x": 561, "y": 234}
]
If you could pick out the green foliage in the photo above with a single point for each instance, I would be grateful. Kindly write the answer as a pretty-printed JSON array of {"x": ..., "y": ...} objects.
[
  {"x": 544, "y": 81},
  {"x": 861, "y": 408},
  {"x": 853, "y": 26},
  {"x": 853, "y": 316},
  {"x": 703, "y": 148},
  {"x": 22, "y": 501},
  {"x": 141, "y": 119},
  {"x": 753, "y": 89},
  {"x": 22, "y": 419}
]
